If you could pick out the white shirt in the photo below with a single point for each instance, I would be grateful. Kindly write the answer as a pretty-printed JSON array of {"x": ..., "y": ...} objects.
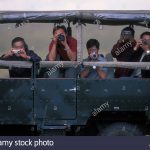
[{"x": 137, "y": 72}]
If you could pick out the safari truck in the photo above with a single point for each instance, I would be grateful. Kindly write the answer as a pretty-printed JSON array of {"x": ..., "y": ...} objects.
[{"x": 75, "y": 106}]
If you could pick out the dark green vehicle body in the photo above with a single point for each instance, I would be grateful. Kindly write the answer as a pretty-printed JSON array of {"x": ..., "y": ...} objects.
[
  {"x": 62, "y": 103},
  {"x": 66, "y": 102}
]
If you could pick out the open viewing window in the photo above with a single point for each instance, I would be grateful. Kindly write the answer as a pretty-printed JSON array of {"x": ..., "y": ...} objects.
[{"x": 105, "y": 26}]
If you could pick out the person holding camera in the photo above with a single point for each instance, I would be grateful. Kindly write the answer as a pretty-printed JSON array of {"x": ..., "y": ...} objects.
[
  {"x": 142, "y": 54},
  {"x": 123, "y": 51},
  {"x": 20, "y": 52},
  {"x": 62, "y": 48},
  {"x": 93, "y": 72}
]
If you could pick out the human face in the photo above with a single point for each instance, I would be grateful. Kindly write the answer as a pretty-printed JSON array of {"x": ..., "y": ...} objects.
[
  {"x": 93, "y": 52},
  {"x": 60, "y": 39},
  {"x": 126, "y": 35},
  {"x": 145, "y": 46},
  {"x": 59, "y": 31},
  {"x": 18, "y": 45}
]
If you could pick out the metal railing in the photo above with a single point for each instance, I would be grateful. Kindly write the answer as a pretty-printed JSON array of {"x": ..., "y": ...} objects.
[
  {"x": 20, "y": 64},
  {"x": 44, "y": 64}
]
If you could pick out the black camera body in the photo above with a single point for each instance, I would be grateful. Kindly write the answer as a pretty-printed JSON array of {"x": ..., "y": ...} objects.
[
  {"x": 93, "y": 56},
  {"x": 145, "y": 42},
  {"x": 61, "y": 38}
]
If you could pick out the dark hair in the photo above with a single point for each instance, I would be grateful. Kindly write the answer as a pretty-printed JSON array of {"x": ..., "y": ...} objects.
[
  {"x": 19, "y": 39},
  {"x": 144, "y": 33},
  {"x": 92, "y": 42},
  {"x": 128, "y": 29},
  {"x": 59, "y": 27}
]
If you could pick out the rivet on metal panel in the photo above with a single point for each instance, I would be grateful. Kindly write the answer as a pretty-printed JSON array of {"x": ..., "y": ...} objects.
[
  {"x": 123, "y": 88},
  {"x": 65, "y": 122},
  {"x": 139, "y": 90},
  {"x": 116, "y": 108},
  {"x": 78, "y": 88},
  {"x": 65, "y": 90},
  {"x": 146, "y": 108},
  {"x": 124, "y": 128},
  {"x": 87, "y": 90},
  {"x": 46, "y": 119},
  {"x": 34, "y": 115},
  {"x": 55, "y": 108},
  {"x": 32, "y": 88},
  {"x": 9, "y": 107},
  {"x": 43, "y": 90},
  {"x": 106, "y": 90},
  {"x": 11, "y": 90}
]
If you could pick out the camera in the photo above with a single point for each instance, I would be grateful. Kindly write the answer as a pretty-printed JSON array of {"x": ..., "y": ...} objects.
[
  {"x": 61, "y": 37},
  {"x": 145, "y": 42},
  {"x": 93, "y": 56},
  {"x": 16, "y": 51}
]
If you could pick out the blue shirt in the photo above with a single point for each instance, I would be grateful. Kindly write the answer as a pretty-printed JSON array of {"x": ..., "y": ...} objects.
[{"x": 93, "y": 73}]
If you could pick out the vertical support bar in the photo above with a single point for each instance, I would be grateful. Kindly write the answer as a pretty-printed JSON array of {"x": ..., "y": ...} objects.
[
  {"x": 79, "y": 59},
  {"x": 79, "y": 43},
  {"x": 34, "y": 73},
  {"x": 32, "y": 70}
]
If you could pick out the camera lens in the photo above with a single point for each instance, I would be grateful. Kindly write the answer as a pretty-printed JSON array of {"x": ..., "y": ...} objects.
[
  {"x": 94, "y": 56},
  {"x": 61, "y": 37},
  {"x": 145, "y": 42}
]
